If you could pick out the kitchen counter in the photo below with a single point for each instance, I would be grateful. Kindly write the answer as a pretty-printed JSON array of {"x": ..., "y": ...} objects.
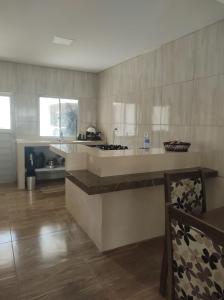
[
  {"x": 65, "y": 148},
  {"x": 93, "y": 184},
  {"x": 22, "y": 143},
  {"x": 120, "y": 162},
  {"x": 117, "y": 196}
]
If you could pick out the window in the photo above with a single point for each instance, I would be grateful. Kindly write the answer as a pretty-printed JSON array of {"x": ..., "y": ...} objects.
[
  {"x": 58, "y": 117},
  {"x": 5, "y": 112}
]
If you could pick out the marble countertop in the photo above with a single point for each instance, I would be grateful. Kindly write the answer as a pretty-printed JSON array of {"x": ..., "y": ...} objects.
[
  {"x": 93, "y": 184},
  {"x": 73, "y": 148},
  {"x": 54, "y": 142},
  {"x": 41, "y": 141}
]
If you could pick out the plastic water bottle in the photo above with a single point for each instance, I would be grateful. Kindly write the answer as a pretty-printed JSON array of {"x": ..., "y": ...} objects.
[{"x": 146, "y": 141}]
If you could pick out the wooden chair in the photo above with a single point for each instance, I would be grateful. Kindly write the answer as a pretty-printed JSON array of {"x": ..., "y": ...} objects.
[
  {"x": 186, "y": 190},
  {"x": 195, "y": 256}
]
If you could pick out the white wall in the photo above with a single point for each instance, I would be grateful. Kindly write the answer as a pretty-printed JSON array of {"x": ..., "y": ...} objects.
[
  {"x": 7, "y": 157},
  {"x": 27, "y": 83}
]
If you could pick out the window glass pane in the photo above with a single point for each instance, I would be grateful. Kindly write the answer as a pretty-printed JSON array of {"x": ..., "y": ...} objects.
[
  {"x": 69, "y": 117},
  {"x": 5, "y": 117},
  {"x": 49, "y": 117}
]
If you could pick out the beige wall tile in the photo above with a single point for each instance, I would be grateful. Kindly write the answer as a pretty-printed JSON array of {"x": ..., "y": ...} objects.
[
  {"x": 178, "y": 60},
  {"x": 158, "y": 68},
  {"x": 47, "y": 82},
  {"x": 208, "y": 138},
  {"x": 27, "y": 83},
  {"x": 66, "y": 84},
  {"x": 188, "y": 105},
  {"x": 26, "y": 108},
  {"x": 148, "y": 74},
  {"x": 87, "y": 110},
  {"x": 149, "y": 106},
  {"x": 177, "y": 101},
  {"x": 214, "y": 160},
  {"x": 208, "y": 105},
  {"x": 26, "y": 129},
  {"x": 209, "y": 58},
  {"x": 26, "y": 79},
  {"x": 7, "y": 76}
]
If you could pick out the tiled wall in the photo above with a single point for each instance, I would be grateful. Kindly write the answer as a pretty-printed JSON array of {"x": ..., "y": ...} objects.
[
  {"x": 27, "y": 83},
  {"x": 174, "y": 92}
]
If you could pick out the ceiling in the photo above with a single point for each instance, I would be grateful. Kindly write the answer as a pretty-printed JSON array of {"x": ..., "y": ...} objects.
[{"x": 105, "y": 32}]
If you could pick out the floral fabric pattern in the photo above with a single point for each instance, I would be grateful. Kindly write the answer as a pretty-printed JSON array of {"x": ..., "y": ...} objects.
[
  {"x": 198, "y": 264},
  {"x": 187, "y": 195}
]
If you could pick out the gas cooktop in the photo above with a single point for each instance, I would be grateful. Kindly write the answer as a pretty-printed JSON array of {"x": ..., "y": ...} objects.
[{"x": 110, "y": 147}]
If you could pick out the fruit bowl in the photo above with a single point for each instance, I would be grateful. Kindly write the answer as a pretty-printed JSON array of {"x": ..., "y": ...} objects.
[{"x": 176, "y": 146}]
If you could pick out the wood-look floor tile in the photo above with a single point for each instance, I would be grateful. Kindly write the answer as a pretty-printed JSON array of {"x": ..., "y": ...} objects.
[
  {"x": 36, "y": 225},
  {"x": 143, "y": 266},
  {"x": 36, "y": 206},
  {"x": 107, "y": 270},
  {"x": 9, "y": 288},
  {"x": 44, "y": 252},
  {"x": 37, "y": 285},
  {"x": 71, "y": 292},
  {"x": 153, "y": 246},
  {"x": 31, "y": 213},
  {"x": 14, "y": 196},
  {"x": 150, "y": 293},
  {"x": 63, "y": 215},
  {"x": 80, "y": 237},
  {"x": 5, "y": 234},
  {"x": 123, "y": 289},
  {"x": 52, "y": 258},
  {"x": 7, "y": 267}
]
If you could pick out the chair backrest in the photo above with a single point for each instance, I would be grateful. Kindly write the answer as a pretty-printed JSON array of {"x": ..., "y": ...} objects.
[
  {"x": 186, "y": 189},
  {"x": 196, "y": 257}
]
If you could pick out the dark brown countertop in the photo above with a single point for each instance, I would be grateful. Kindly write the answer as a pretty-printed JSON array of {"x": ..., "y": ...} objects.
[{"x": 93, "y": 184}]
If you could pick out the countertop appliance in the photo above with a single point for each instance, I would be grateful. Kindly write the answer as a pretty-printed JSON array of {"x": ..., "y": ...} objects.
[{"x": 92, "y": 134}]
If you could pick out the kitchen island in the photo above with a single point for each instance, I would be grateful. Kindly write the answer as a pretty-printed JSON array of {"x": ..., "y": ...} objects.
[{"x": 117, "y": 197}]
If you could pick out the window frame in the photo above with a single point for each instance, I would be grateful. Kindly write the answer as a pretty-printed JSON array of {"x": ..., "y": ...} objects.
[
  {"x": 8, "y": 130},
  {"x": 57, "y": 137}
]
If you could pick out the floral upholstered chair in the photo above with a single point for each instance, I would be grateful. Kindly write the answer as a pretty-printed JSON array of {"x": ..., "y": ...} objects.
[
  {"x": 196, "y": 253},
  {"x": 186, "y": 190}
]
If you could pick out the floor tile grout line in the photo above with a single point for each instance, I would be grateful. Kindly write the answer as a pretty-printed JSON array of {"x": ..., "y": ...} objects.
[{"x": 16, "y": 272}]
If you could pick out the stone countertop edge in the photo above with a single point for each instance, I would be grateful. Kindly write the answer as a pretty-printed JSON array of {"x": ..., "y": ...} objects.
[{"x": 93, "y": 184}]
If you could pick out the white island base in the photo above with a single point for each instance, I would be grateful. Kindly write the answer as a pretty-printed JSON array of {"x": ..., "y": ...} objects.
[{"x": 120, "y": 218}]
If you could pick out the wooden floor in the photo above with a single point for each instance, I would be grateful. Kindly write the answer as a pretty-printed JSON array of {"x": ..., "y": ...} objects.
[{"x": 45, "y": 255}]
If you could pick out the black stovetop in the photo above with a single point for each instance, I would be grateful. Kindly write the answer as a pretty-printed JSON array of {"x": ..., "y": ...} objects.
[{"x": 111, "y": 147}]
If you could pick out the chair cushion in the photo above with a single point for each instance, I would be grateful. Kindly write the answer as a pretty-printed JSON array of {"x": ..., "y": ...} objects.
[
  {"x": 187, "y": 195},
  {"x": 198, "y": 264}
]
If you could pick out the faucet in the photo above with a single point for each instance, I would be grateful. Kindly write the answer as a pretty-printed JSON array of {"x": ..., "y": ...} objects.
[
  {"x": 61, "y": 137},
  {"x": 114, "y": 134}
]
